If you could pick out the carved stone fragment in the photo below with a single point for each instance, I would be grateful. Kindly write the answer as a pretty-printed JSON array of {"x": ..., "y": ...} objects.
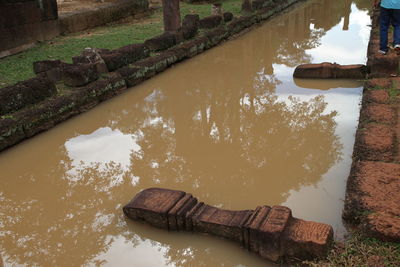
[
  {"x": 271, "y": 232},
  {"x": 328, "y": 70}
]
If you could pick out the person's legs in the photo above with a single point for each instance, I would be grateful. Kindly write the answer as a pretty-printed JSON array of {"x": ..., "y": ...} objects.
[
  {"x": 384, "y": 26},
  {"x": 396, "y": 25}
]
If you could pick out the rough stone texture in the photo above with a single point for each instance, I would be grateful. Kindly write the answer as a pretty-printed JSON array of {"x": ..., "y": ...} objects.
[
  {"x": 270, "y": 232},
  {"x": 328, "y": 71},
  {"x": 132, "y": 75},
  {"x": 236, "y": 25},
  {"x": 210, "y": 22},
  {"x": 96, "y": 16},
  {"x": 190, "y": 25},
  {"x": 45, "y": 65},
  {"x": 379, "y": 113},
  {"x": 377, "y": 96},
  {"x": 51, "y": 69},
  {"x": 113, "y": 59},
  {"x": 216, "y": 36},
  {"x": 161, "y": 42},
  {"x": 383, "y": 65},
  {"x": 376, "y": 83},
  {"x": 171, "y": 15},
  {"x": 79, "y": 75},
  {"x": 228, "y": 16},
  {"x": 32, "y": 91},
  {"x": 91, "y": 56},
  {"x": 375, "y": 142},
  {"x": 37, "y": 118},
  {"x": 134, "y": 52},
  {"x": 23, "y": 23},
  {"x": 373, "y": 188},
  {"x": 247, "y": 6},
  {"x": 258, "y": 4},
  {"x": 373, "y": 199}
]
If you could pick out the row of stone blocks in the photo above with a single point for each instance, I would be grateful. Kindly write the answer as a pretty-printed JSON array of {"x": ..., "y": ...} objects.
[
  {"x": 271, "y": 232},
  {"x": 372, "y": 200},
  {"x": 36, "y": 105},
  {"x": 372, "y": 196}
]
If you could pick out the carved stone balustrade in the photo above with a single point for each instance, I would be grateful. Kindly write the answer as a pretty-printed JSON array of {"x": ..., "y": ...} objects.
[{"x": 271, "y": 232}]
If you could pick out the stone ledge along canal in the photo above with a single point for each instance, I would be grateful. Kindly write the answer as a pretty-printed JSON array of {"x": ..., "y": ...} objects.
[{"x": 230, "y": 126}]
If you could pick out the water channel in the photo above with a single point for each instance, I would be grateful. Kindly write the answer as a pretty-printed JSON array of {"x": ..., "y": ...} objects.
[{"x": 230, "y": 126}]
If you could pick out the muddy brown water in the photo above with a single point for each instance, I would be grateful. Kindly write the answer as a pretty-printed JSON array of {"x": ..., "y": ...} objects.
[{"x": 230, "y": 126}]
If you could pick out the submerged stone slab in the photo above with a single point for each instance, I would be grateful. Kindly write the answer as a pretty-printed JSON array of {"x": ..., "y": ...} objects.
[
  {"x": 328, "y": 70},
  {"x": 271, "y": 232}
]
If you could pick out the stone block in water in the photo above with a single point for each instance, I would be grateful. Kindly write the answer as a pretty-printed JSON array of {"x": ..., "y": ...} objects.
[
  {"x": 271, "y": 232},
  {"x": 328, "y": 70}
]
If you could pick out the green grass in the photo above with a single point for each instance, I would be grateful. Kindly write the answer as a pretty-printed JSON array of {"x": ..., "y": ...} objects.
[
  {"x": 361, "y": 251},
  {"x": 19, "y": 67}
]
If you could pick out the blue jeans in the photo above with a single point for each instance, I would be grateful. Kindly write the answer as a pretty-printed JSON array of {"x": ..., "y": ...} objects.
[{"x": 387, "y": 17}]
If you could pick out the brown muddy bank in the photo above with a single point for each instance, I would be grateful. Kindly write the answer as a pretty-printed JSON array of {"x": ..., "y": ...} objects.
[
  {"x": 32, "y": 116},
  {"x": 373, "y": 187}
]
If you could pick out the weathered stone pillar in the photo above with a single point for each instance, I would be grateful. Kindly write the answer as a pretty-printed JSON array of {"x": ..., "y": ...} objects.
[
  {"x": 172, "y": 15},
  {"x": 271, "y": 232},
  {"x": 247, "y": 6}
]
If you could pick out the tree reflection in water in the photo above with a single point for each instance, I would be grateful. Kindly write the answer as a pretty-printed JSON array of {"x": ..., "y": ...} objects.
[{"x": 220, "y": 133}]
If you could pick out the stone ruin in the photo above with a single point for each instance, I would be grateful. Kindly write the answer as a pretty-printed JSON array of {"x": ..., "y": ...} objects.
[
  {"x": 328, "y": 70},
  {"x": 270, "y": 232}
]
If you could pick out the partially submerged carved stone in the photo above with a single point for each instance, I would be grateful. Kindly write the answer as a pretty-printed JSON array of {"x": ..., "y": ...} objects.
[
  {"x": 328, "y": 70},
  {"x": 271, "y": 232}
]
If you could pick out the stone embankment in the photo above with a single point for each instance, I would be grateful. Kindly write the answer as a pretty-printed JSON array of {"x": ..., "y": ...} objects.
[
  {"x": 373, "y": 188},
  {"x": 271, "y": 232},
  {"x": 61, "y": 90}
]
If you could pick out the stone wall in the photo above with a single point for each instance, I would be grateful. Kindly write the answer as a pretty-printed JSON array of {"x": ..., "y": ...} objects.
[
  {"x": 372, "y": 201},
  {"x": 24, "y": 22},
  {"x": 100, "y": 15}
]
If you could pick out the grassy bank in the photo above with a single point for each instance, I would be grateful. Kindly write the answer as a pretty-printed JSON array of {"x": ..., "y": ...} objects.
[
  {"x": 360, "y": 251},
  {"x": 19, "y": 67}
]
